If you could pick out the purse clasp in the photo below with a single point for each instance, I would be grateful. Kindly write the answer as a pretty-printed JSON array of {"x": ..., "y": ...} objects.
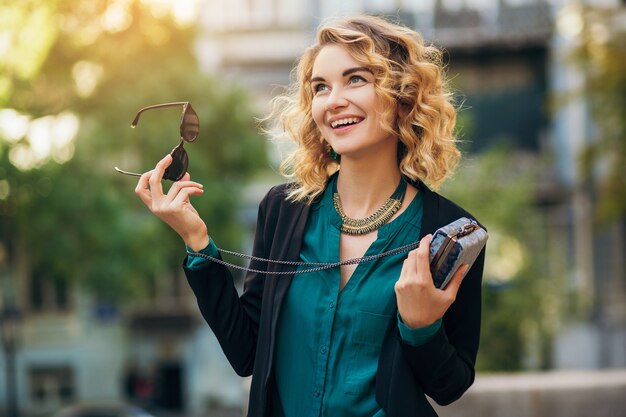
[{"x": 464, "y": 230}]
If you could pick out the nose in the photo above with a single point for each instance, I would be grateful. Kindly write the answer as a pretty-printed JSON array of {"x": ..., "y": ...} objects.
[{"x": 336, "y": 100}]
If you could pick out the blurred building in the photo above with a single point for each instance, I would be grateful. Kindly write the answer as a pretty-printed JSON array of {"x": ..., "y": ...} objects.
[
  {"x": 509, "y": 58},
  {"x": 590, "y": 254},
  {"x": 72, "y": 349}
]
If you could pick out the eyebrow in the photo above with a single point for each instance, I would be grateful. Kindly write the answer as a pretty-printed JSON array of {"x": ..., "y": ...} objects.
[{"x": 345, "y": 73}]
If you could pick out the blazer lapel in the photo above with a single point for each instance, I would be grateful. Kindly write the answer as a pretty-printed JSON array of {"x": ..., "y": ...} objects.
[{"x": 291, "y": 244}]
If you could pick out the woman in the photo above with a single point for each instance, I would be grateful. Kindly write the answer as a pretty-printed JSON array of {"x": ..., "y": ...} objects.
[{"x": 371, "y": 118}]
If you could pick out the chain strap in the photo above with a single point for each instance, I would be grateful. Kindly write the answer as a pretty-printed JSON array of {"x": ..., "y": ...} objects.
[{"x": 317, "y": 266}]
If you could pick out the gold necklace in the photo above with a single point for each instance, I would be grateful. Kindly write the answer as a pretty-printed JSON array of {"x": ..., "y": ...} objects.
[{"x": 374, "y": 221}]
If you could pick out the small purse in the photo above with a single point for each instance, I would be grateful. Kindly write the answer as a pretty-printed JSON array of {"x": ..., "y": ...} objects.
[{"x": 457, "y": 243}]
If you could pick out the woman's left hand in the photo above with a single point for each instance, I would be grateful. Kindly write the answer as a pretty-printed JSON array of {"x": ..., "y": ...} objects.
[{"x": 420, "y": 303}]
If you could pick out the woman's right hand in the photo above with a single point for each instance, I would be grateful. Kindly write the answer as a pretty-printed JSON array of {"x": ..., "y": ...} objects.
[{"x": 174, "y": 208}]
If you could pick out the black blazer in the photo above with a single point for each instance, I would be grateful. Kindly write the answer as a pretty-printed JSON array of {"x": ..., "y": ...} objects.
[{"x": 245, "y": 326}]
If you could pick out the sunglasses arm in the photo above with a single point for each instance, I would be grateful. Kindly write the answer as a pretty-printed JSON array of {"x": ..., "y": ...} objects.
[
  {"x": 156, "y": 106},
  {"x": 121, "y": 171}
]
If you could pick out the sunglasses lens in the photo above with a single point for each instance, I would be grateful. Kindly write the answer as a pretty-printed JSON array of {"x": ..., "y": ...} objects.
[
  {"x": 190, "y": 126},
  {"x": 178, "y": 167}
]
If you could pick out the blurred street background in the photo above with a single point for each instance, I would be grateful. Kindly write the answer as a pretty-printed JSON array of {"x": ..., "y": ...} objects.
[{"x": 94, "y": 307}]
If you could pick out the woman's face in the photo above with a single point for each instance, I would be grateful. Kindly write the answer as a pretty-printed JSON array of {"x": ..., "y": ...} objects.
[{"x": 345, "y": 106}]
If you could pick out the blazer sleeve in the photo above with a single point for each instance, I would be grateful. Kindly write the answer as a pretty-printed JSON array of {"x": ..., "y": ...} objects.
[
  {"x": 234, "y": 319},
  {"x": 444, "y": 365}
]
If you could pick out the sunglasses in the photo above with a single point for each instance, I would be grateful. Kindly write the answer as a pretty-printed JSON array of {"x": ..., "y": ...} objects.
[{"x": 189, "y": 129}]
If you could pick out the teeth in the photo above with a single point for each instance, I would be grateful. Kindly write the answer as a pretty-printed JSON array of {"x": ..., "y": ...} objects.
[{"x": 346, "y": 121}]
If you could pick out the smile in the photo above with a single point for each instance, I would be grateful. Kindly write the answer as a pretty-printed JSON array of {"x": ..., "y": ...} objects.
[{"x": 348, "y": 121}]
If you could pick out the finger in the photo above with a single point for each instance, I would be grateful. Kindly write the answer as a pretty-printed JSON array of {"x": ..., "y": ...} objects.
[
  {"x": 171, "y": 194},
  {"x": 455, "y": 282},
  {"x": 156, "y": 188},
  {"x": 183, "y": 195},
  {"x": 424, "y": 246},
  {"x": 410, "y": 262},
  {"x": 142, "y": 189},
  {"x": 423, "y": 255},
  {"x": 177, "y": 187},
  {"x": 404, "y": 272}
]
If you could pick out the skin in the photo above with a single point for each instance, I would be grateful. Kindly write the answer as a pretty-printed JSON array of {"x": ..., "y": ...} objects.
[
  {"x": 342, "y": 87},
  {"x": 369, "y": 174},
  {"x": 174, "y": 208}
]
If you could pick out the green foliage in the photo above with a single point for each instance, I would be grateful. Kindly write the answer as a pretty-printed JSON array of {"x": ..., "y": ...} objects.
[
  {"x": 601, "y": 55},
  {"x": 497, "y": 187},
  {"x": 30, "y": 29},
  {"x": 81, "y": 220}
]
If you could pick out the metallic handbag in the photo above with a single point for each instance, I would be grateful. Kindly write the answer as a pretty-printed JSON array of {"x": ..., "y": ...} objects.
[{"x": 457, "y": 243}]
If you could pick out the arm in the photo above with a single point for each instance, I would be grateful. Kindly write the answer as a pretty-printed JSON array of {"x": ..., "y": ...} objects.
[
  {"x": 197, "y": 262},
  {"x": 233, "y": 319},
  {"x": 444, "y": 364}
]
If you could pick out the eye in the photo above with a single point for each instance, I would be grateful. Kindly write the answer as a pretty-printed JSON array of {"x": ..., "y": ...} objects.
[
  {"x": 356, "y": 79},
  {"x": 319, "y": 88}
]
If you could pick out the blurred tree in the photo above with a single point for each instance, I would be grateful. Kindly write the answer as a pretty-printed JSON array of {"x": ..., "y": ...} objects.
[
  {"x": 93, "y": 65},
  {"x": 601, "y": 55},
  {"x": 518, "y": 320}
]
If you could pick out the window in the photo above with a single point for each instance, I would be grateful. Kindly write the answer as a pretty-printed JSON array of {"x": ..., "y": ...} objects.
[
  {"x": 48, "y": 293},
  {"x": 51, "y": 385}
]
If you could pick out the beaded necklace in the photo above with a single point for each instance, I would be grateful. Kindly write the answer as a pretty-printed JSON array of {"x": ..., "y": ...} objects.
[{"x": 374, "y": 221}]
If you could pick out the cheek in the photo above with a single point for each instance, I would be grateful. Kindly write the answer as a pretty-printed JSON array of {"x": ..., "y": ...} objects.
[
  {"x": 367, "y": 100},
  {"x": 385, "y": 116},
  {"x": 317, "y": 111}
]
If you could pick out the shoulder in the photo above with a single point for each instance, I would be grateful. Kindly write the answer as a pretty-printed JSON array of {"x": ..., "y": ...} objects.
[
  {"x": 439, "y": 210},
  {"x": 449, "y": 207},
  {"x": 280, "y": 216},
  {"x": 276, "y": 199},
  {"x": 277, "y": 194}
]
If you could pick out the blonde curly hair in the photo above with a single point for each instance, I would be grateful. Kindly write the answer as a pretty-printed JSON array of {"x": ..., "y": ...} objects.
[{"x": 408, "y": 74}]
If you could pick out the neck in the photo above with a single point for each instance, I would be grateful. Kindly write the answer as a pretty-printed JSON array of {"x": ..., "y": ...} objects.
[{"x": 364, "y": 186}]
